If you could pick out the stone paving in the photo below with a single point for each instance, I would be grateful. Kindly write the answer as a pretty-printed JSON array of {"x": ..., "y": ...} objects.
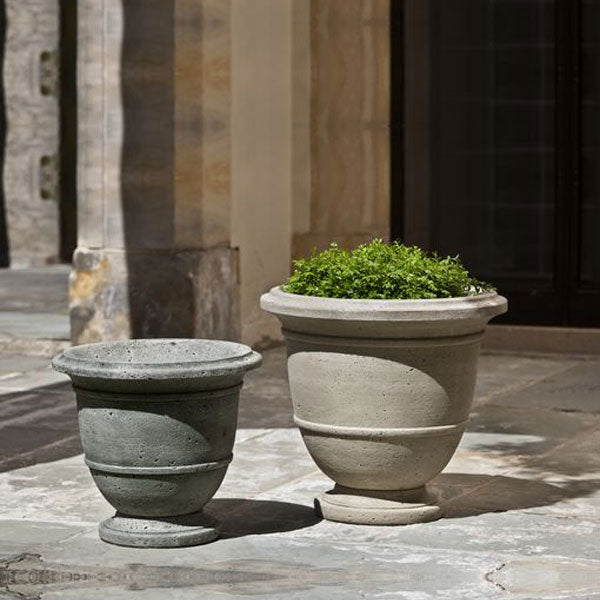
[
  {"x": 522, "y": 500},
  {"x": 34, "y": 310}
]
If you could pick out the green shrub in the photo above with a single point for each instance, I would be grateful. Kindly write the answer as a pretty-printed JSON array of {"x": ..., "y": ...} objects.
[{"x": 384, "y": 271}]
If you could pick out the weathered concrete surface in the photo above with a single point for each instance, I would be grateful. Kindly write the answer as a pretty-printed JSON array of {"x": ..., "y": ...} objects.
[
  {"x": 157, "y": 420},
  {"x": 522, "y": 493}
]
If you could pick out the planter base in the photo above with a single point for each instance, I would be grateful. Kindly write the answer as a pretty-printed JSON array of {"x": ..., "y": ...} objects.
[
  {"x": 168, "y": 532},
  {"x": 373, "y": 507}
]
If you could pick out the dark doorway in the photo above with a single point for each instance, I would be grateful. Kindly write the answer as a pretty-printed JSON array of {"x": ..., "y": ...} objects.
[
  {"x": 500, "y": 106},
  {"x": 68, "y": 129},
  {"x": 4, "y": 250}
]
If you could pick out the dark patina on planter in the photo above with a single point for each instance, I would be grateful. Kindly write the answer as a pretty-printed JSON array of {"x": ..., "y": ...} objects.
[{"x": 157, "y": 420}]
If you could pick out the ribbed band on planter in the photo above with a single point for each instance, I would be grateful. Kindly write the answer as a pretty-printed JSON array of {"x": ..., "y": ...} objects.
[
  {"x": 380, "y": 432},
  {"x": 336, "y": 340},
  {"x": 168, "y": 470},
  {"x": 116, "y": 398}
]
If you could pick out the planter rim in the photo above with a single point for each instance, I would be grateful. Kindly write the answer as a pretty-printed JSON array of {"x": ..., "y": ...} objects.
[
  {"x": 162, "y": 361},
  {"x": 487, "y": 304}
]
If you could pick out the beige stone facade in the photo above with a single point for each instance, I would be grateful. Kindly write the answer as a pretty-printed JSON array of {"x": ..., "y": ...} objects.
[{"x": 218, "y": 140}]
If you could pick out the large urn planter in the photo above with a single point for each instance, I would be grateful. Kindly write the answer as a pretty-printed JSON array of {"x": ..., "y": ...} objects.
[
  {"x": 382, "y": 391},
  {"x": 157, "y": 420}
]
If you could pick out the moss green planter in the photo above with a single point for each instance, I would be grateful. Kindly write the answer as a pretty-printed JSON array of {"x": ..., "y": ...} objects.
[
  {"x": 382, "y": 391},
  {"x": 157, "y": 420}
]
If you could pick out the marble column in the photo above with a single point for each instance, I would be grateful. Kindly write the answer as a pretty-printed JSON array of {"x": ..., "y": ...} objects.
[
  {"x": 346, "y": 127},
  {"x": 154, "y": 257}
]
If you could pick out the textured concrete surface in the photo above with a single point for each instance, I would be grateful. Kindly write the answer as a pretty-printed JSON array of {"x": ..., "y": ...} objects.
[
  {"x": 157, "y": 420},
  {"x": 522, "y": 493}
]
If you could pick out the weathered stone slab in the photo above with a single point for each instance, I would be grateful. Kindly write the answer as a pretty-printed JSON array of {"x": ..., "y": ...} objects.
[
  {"x": 522, "y": 500},
  {"x": 34, "y": 326},
  {"x": 265, "y": 399},
  {"x": 46, "y": 378},
  {"x": 501, "y": 373},
  {"x": 575, "y": 389},
  {"x": 269, "y": 566},
  {"x": 266, "y": 462},
  {"x": 52, "y": 492},
  {"x": 524, "y": 431},
  {"x": 11, "y": 363}
]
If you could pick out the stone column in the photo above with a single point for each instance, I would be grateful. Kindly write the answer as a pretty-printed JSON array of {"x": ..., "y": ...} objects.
[
  {"x": 348, "y": 200},
  {"x": 154, "y": 257}
]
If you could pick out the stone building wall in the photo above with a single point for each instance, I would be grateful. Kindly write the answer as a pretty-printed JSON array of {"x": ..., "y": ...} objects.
[
  {"x": 217, "y": 140},
  {"x": 30, "y": 176},
  {"x": 262, "y": 160}
]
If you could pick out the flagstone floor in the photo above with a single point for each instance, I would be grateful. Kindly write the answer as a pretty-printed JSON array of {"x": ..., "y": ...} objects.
[{"x": 522, "y": 502}]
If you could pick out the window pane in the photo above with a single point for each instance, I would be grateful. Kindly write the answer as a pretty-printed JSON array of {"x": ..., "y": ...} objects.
[
  {"x": 590, "y": 152},
  {"x": 493, "y": 136}
]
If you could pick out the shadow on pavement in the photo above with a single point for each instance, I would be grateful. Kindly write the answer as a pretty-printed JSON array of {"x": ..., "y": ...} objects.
[
  {"x": 499, "y": 493},
  {"x": 38, "y": 426},
  {"x": 241, "y": 517}
]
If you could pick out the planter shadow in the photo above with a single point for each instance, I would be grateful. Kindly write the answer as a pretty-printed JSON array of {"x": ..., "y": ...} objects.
[
  {"x": 468, "y": 495},
  {"x": 241, "y": 517}
]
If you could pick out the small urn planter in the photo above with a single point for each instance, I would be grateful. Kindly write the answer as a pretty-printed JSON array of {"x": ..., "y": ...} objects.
[
  {"x": 382, "y": 391},
  {"x": 157, "y": 420}
]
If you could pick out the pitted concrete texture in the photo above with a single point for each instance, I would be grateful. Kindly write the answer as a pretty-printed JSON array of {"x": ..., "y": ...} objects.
[{"x": 522, "y": 502}]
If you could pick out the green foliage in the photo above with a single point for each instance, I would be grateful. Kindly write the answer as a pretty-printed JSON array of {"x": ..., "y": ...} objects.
[{"x": 382, "y": 271}]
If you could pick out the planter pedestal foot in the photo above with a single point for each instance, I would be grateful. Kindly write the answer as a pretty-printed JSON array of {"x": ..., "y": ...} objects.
[
  {"x": 374, "y": 507},
  {"x": 158, "y": 532}
]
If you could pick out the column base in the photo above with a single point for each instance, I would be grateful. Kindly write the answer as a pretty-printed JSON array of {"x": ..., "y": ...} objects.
[
  {"x": 374, "y": 507},
  {"x": 122, "y": 294},
  {"x": 168, "y": 532}
]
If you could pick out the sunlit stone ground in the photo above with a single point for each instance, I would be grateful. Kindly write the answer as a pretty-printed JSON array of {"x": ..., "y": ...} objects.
[{"x": 522, "y": 499}]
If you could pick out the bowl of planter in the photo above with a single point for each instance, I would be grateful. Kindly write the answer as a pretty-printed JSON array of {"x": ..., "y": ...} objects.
[
  {"x": 382, "y": 349},
  {"x": 157, "y": 420}
]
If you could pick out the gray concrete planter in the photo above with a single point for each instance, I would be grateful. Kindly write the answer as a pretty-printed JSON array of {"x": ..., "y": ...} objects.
[
  {"x": 157, "y": 420},
  {"x": 382, "y": 391}
]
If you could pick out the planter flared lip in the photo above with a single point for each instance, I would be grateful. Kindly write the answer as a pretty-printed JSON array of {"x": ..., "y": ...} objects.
[
  {"x": 92, "y": 360},
  {"x": 485, "y": 304}
]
